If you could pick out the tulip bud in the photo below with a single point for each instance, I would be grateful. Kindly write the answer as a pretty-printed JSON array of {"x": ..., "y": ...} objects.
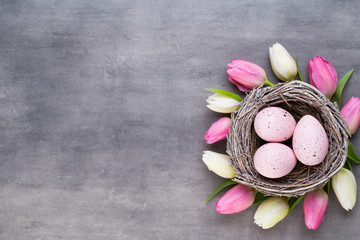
[
  {"x": 271, "y": 211},
  {"x": 246, "y": 75},
  {"x": 315, "y": 204},
  {"x": 344, "y": 185},
  {"x": 218, "y": 130},
  {"x": 222, "y": 104},
  {"x": 237, "y": 199},
  {"x": 351, "y": 113},
  {"x": 282, "y": 64},
  {"x": 323, "y": 76},
  {"x": 219, "y": 164}
]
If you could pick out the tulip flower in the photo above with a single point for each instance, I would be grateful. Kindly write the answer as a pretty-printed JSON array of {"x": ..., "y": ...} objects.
[
  {"x": 222, "y": 104},
  {"x": 237, "y": 199},
  {"x": 246, "y": 75},
  {"x": 323, "y": 76},
  {"x": 315, "y": 204},
  {"x": 271, "y": 211},
  {"x": 351, "y": 113},
  {"x": 344, "y": 185},
  {"x": 219, "y": 164},
  {"x": 218, "y": 130},
  {"x": 282, "y": 64}
]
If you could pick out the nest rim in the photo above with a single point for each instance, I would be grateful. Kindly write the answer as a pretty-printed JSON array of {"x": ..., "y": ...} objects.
[{"x": 296, "y": 97}]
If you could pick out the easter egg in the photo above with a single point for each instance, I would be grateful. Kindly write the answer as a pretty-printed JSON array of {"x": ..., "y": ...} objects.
[
  {"x": 310, "y": 142},
  {"x": 274, "y": 124},
  {"x": 274, "y": 160}
]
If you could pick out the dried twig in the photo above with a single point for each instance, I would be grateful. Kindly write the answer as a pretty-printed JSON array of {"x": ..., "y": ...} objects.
[{"x": 299, "y": 99}]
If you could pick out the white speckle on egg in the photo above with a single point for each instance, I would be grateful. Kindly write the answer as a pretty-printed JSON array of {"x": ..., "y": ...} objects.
[
  {"x": 310, "y": 142},
  {"x": 274, "y": 124},
  {"x": 274, "y": 160}
]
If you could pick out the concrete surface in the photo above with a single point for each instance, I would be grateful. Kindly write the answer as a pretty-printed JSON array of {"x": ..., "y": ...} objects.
[{"x": 102, "y": 112}]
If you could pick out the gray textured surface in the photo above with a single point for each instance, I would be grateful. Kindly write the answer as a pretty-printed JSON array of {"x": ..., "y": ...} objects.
[{"x": 103, "y": 112}]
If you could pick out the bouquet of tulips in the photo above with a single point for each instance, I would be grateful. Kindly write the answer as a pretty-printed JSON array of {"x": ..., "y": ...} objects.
[{"x": 246, "y": 76}]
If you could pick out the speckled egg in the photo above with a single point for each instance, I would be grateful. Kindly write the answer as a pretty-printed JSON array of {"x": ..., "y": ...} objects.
[
  {"x": 310, "y": 142},
  {"x": 274, "y": 160},
  {"x": 274, "y": 124}
]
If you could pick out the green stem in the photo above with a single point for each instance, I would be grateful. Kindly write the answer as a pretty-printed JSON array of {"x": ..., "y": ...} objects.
[
  {"x": 327, "y": 187},
  {"x": 298, "y": 70},
  {"x": 267, "y": 82}
]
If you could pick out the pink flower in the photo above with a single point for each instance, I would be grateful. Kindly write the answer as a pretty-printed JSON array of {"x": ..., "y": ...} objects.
[
  {"x": 323, "y": 76},
  {"x": 218, "y": 130},
  {"x": 315, "y": 204},
  {"x": 235, "y": 200},
  {"x": 351, "y": 113},
  {"x": 246, "y": 75}
]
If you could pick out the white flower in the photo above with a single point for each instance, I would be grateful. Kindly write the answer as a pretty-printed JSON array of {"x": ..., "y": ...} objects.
[
  {"x": 344, "y": 185},
  {"x": 219, "y": 164},
  {"x": 271, "y": 211},
  {"x": 282, "y": 64},
  {"x": 222, "y": 104}
]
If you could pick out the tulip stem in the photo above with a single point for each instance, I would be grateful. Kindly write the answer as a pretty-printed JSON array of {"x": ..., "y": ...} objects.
[
  {"x": 327, "y": 187},
  {"x": 267, "y": 82},
  {"x": 298, "y": 70}
]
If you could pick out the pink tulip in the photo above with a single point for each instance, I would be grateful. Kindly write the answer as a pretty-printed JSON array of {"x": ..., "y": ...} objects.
[
  {"x": 351, "y": 113},
  {"x": 246, "y": 75},
  {"x": 315, "y": 204},
  {"x": 218, "y": 130},
  {"x": 323, "y": 76},
  {"x": 235, "y": 200}
]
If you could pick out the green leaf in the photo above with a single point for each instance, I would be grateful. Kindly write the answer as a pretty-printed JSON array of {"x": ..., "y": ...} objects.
[
  {"x": 259, "y": 197},
  {"x": 352, "y": 154},
  {"x": 327, "y": 187},
  {"x": 226, "y": 93},
  {"x": 340, "y": 86},
  {"x": 223, "y": 185},
  {"x": 298, "y": 70},
  {"x": 295, "y": 201},
  {"x": 348, "y": 165}
]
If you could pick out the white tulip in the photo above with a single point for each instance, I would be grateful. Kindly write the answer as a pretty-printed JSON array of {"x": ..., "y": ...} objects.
[
  {"x": 222, "y": 104},
  {"x": 282, "y": 64},
  {"x": 344, "y": 185},
  {"x": 271, "y": 211},
  {"x": 218, "y": 163}
]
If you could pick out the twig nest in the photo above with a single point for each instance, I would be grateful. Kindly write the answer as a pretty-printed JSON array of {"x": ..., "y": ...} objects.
[{"x": 299, "y": 99}]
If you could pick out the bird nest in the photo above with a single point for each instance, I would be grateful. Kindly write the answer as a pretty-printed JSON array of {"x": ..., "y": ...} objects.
[{"x": 299, "y": 99}]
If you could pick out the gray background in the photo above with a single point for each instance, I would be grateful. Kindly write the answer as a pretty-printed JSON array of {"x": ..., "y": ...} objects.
[{"x": 102, "y": 112}]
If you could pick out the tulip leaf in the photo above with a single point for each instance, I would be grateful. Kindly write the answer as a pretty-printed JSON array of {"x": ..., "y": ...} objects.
[
  {"x": 340, "y": 86},
  {"x": 327, "y": 187},
  {"x": 259, "y": 197},
  {"x": 226, "y": 93},
  {"x": 298, "y": 70},
  {"x": 223, "y": 185},
  {"x": 348, "y": 165},
  {"x": 295, "y": 201},
  {"x": 351, "y": 154}
]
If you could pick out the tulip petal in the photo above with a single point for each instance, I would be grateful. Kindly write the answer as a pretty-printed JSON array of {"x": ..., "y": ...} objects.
[
  {"x": 323, "y": 76},
  {"x": 237, "y": 199},
  {"x": 345, "y": 188},
  {"x": 271, "y": 211},
  {"x": 283, "y": 65},
  {"x": 218, "y": 130},
  {"x": 246, "y": 75},
  {"x": 222, "y": 104},
  {"x": 219, "y": 164},
  {"x": 315, "y": 204},
  {"x": 351, "y": 113}
]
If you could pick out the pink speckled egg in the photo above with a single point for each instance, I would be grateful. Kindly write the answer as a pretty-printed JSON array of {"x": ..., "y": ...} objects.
[
  {"x": 274, "y": 160},
  {"x": 310, "y": 142},
  {"x": 274, "y": 124}
]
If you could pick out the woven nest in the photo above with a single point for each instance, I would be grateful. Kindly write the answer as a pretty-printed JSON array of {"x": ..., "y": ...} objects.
[{"x": 299, "y": 99}]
